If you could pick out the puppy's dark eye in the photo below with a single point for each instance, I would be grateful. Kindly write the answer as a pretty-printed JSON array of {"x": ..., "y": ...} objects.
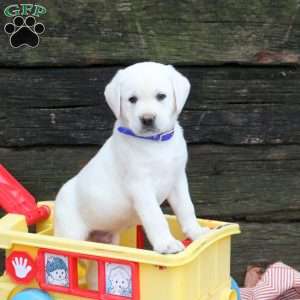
[
  {"x": 160, "y": 96},
  {"x": 133, "y": 99}
]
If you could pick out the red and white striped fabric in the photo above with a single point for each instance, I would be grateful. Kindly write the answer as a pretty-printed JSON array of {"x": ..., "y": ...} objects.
[{"x": 279, "y": 282}]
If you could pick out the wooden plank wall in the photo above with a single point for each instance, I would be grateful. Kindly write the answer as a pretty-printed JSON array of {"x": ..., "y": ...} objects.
[{"x": 242, "y": 120}]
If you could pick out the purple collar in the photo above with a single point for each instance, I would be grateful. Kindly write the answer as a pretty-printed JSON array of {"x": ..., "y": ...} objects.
[{"x": 159, "y": 137}]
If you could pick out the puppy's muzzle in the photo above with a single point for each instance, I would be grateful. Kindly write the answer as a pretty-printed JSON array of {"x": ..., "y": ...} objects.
[{"x": 148, "y": 120}]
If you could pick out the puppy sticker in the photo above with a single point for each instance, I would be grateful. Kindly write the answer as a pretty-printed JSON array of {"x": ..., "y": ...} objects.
[{"x": 118, "y": 279}]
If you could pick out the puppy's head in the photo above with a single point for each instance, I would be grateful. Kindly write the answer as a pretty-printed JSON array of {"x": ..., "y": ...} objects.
[{"x": 147, "y": 97}]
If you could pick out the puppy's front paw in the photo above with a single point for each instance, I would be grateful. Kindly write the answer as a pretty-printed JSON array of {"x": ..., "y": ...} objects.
[
  {"x": 196, "y": 232},
  {"x": 168, "y": 246}
]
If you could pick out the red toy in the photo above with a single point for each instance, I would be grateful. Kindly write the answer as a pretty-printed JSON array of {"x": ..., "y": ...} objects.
[{"x": 14, "y": 198}]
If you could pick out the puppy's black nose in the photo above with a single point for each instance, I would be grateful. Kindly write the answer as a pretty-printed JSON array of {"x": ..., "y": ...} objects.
[{"x": 147, "y": 120}]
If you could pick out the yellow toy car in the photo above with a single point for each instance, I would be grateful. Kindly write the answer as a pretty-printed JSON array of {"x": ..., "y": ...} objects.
[{"x": 40, "y": 266}]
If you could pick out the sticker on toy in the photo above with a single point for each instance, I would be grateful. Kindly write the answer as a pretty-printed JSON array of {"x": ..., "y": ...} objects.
[
  {"x": 21, "y": 267},
  {"x": 118, "y": 279},
  {"x": 56, "y": 267}
]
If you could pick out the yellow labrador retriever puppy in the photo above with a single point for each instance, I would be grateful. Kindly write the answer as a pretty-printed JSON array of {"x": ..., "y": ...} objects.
[{"x": 140, "y": 165}]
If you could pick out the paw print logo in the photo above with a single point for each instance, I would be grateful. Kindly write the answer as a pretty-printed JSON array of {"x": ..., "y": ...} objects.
[{"x": 24, "y": 32}]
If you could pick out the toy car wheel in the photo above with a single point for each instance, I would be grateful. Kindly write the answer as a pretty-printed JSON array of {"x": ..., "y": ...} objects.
[
  {"x": 235, "y": 287},
  {"x": 32, "y": 294}
]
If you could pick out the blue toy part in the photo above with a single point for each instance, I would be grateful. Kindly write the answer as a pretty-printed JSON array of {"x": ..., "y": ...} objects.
[
  {"x": 235, "y": 287},
  {"x": 32, "y": 294}
]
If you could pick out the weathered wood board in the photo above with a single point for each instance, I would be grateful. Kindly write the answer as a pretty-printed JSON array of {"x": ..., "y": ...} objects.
[
  {"x": 229, "y": 105},
  {"x": 257, "y": 183},
  {"x": 80, "y": 33}
]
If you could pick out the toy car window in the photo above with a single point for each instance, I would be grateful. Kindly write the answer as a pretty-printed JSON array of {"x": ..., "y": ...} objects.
[
  {"x": 118, "y": 279},
  {"x": 84, "y": 267},
  {"x": 56, "y": 270}
]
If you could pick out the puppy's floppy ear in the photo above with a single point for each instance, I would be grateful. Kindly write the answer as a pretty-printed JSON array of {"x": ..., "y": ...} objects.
[
  {"x": 181, "y": 87},
  {"x": 113, "y": 95}
]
